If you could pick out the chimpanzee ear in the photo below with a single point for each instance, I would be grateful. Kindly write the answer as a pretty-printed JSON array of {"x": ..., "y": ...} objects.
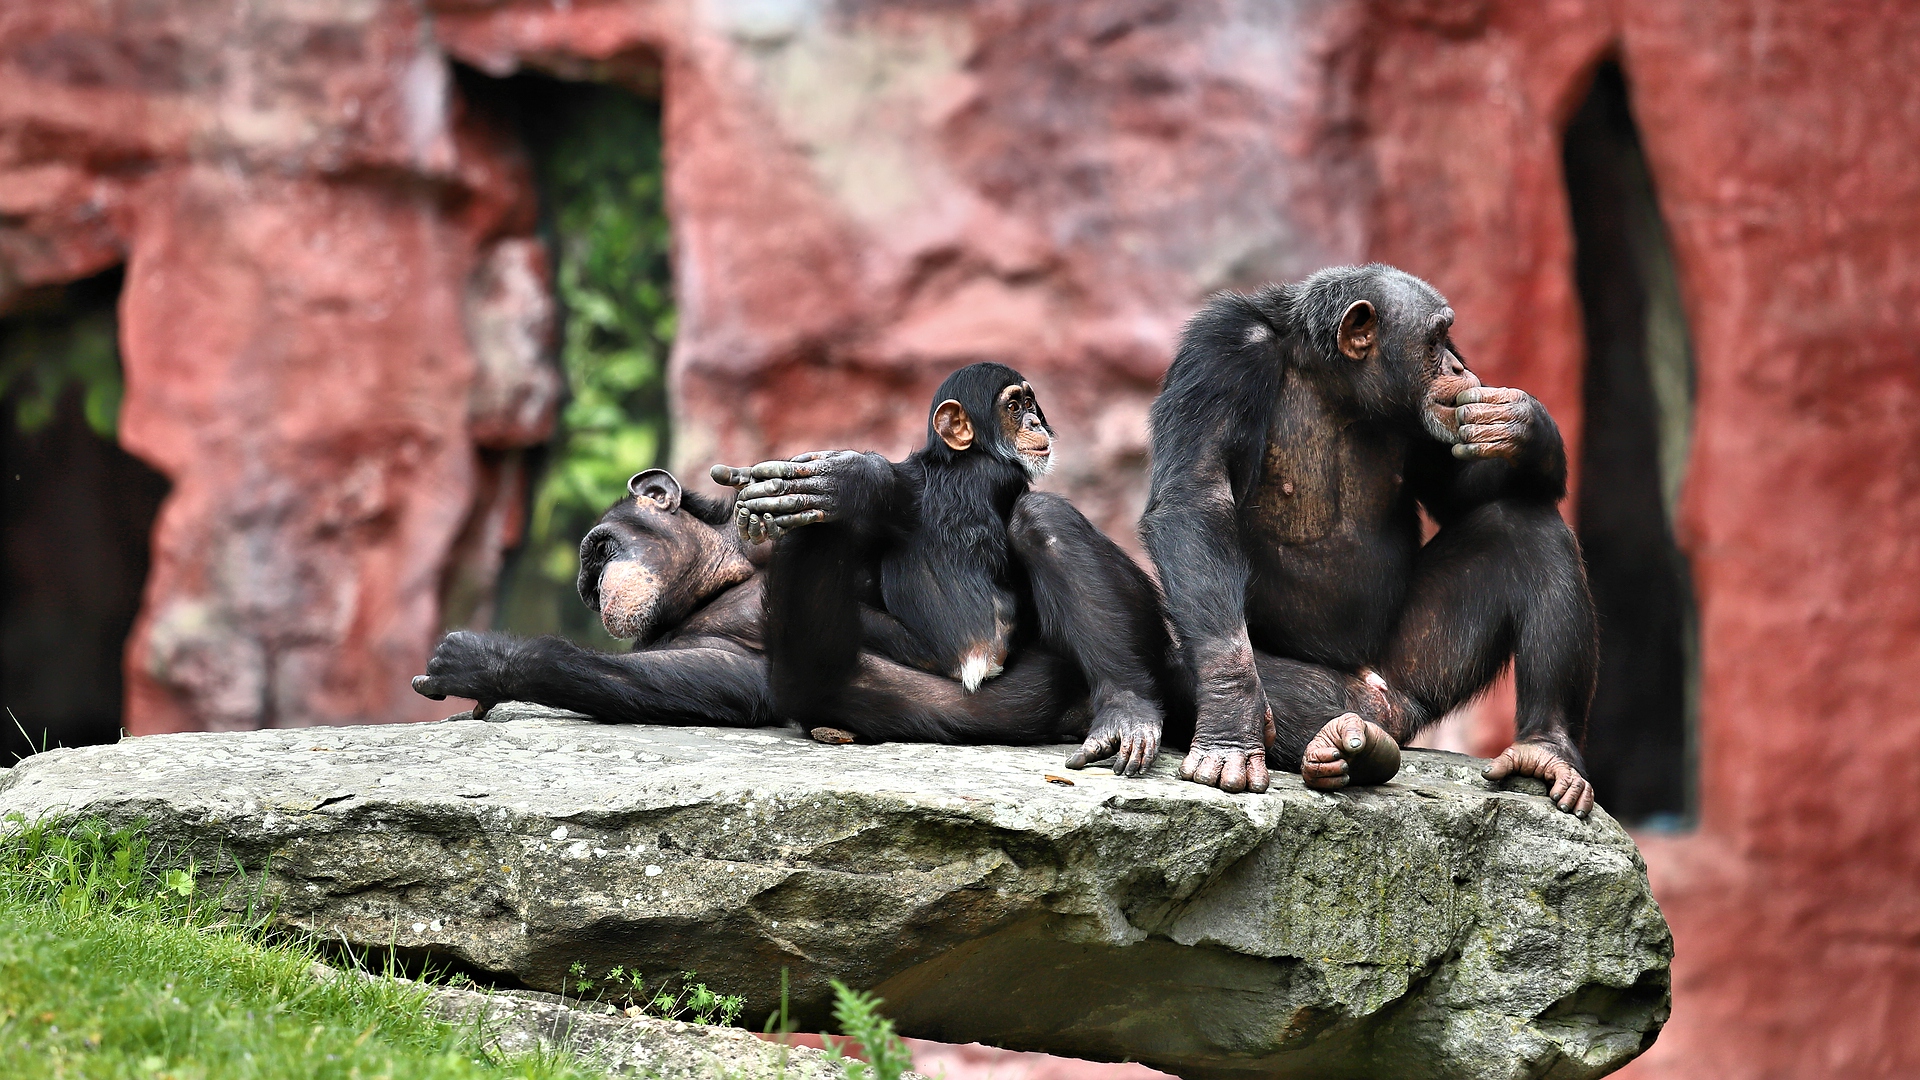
[
  {"x": 658, "y": 485},
  {"x": 1358, "y": 330},
  {"x": 951, "y": 423}
]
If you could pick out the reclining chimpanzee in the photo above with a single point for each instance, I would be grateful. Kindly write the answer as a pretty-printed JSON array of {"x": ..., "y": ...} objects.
[
  {"x": 668, "y": 569},
  {"x": 1298, "y": 435}
]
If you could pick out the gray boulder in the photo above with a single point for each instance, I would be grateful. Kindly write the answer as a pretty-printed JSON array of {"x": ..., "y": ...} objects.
[{"x": 1433, "y": 927}]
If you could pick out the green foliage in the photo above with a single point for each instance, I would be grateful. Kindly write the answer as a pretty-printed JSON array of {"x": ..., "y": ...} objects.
[
  {"x": 859, "y": 1015},
  {"x": 690, "y": 1000},
  {"x": 111, "y": 967},
  {"x": 598, "y": 161},
  {"x": 64, "y": 345}
]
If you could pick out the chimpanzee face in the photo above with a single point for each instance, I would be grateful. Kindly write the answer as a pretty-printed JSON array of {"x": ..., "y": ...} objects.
[
  {"x": 1445, "y": 376},
  {"x": 647, "y": 564},
  {"x": 1406, "y": 363},
  {"x": 1024, "y": 428}
]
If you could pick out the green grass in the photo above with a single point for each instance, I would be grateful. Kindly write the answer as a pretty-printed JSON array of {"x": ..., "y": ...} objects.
[{"x": 109, "y": 968}]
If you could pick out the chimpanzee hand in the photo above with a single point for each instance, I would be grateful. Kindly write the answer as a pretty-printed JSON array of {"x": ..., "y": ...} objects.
[
  {"x": 469, "y": 665},
  {"x": 777, "y": 496},
  {"x": 1229, "y": 749},
  {"x": 1495, "y": 422},
  {"x": 1349, "y": 750},
  {"x": 1126, "y": 729},
  {"x": 1542, "y": 760}
]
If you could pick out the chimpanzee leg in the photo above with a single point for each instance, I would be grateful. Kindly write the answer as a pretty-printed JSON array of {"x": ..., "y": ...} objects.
[
  {"x": 1503, "y": 580},
  {"x": 1029, "y": 702},
  {"x": 1098, "y": 609}
]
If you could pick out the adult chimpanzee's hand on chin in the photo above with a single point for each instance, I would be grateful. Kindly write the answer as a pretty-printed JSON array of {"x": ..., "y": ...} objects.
[
  {"x": 777, "y": 496},
  {"x": 469, "y": 665},
  {"x": 1495, "y": 422},
  {"x": 1229, "y": 749},
  {"x": 1544, "y": 761}
]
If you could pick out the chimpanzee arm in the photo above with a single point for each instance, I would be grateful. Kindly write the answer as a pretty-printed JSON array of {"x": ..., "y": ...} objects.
[
  {"x": 1209, "y": 427},
  {"x": 717, "y": 685},
  {"x": 1509, "y": 447}
]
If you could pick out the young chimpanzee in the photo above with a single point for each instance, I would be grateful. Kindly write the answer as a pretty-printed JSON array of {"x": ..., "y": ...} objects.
[
  {"x": 948, "y": 562},
  {"x": 1299, "y": 432}
]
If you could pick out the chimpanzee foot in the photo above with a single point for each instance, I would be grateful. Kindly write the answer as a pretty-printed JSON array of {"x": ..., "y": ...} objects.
[
  {"x": 1569, "y": 790},
  {"x": 1126, "y": 729},
  {"x": 1349, "y": 750}
]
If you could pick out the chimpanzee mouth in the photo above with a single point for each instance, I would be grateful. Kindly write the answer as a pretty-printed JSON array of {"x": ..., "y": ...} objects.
[
  {"x": 1038, "y": 463},
  {"x": 630, "y": 595}
]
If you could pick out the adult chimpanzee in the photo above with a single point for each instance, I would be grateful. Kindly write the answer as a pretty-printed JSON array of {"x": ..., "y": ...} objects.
[
  {"x": 1298, "y": 434},
  {"x": 948, "y": 562},
  {"x": 667, "y": 569}
]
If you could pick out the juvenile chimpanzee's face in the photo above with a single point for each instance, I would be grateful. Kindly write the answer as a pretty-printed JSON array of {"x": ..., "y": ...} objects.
[
  {"x": 1024, "y": 428},
  {"x": 648, "y": 563}
]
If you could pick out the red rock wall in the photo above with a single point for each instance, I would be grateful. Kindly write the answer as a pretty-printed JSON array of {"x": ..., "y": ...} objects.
[{"x": 866, "y": 195}]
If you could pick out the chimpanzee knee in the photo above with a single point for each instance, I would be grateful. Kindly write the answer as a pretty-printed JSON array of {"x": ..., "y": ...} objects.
[{"x": 1040, "y": 521}]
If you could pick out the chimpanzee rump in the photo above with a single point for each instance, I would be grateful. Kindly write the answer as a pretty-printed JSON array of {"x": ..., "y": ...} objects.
[
  {"x": 947, "y": 562},
  {"x": 1299, "y": 433}
]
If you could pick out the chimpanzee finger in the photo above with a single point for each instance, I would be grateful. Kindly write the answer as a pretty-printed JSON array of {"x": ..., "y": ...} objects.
[
  {"x": 428, "y": 687},
  {"x": 1474, "y": 451},
  {"x": 778, "y": 505},
  {"x": 789, "y": 522},
  {"x": 730, "y": 476},
  {"x": 782, "y": 470},
  {"x": 1498, "y": 395},
  {"x": 1490, "y": 414},
  {"x": 1585, "y": 805},
  {"x": 1483, "y": 434}
]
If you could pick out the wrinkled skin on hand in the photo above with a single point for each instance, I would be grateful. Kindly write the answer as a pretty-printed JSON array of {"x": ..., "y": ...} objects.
[
  {"x": 1494, "y": 422},
  {"x": 1126, "y": 729},
  {"x": 469, "y": 665},
  {"x": 779, "y": 496},
  {"x": 1349, "y": 750},
  {"x": 1235, "y": 724},
  {"x": 1543, "y": 761}
]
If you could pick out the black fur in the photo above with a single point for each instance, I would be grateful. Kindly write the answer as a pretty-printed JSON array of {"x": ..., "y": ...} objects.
[
  {"x": 927, "y": 555},
  {"x": 1259, "y": 384}
]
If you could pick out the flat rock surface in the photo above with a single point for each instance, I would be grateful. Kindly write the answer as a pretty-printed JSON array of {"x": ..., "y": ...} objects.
[{"x": 1434, "y": 926}]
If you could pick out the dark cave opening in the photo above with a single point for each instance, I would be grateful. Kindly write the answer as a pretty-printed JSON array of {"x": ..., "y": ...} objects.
[
  {"x": 76, "y": 522},
  {"x": 594, "y": 147},
  {"x": 1638, "y": 393}
]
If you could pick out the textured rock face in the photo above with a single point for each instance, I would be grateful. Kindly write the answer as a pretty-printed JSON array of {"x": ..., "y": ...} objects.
[{"x": 1434, "y": 927}]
